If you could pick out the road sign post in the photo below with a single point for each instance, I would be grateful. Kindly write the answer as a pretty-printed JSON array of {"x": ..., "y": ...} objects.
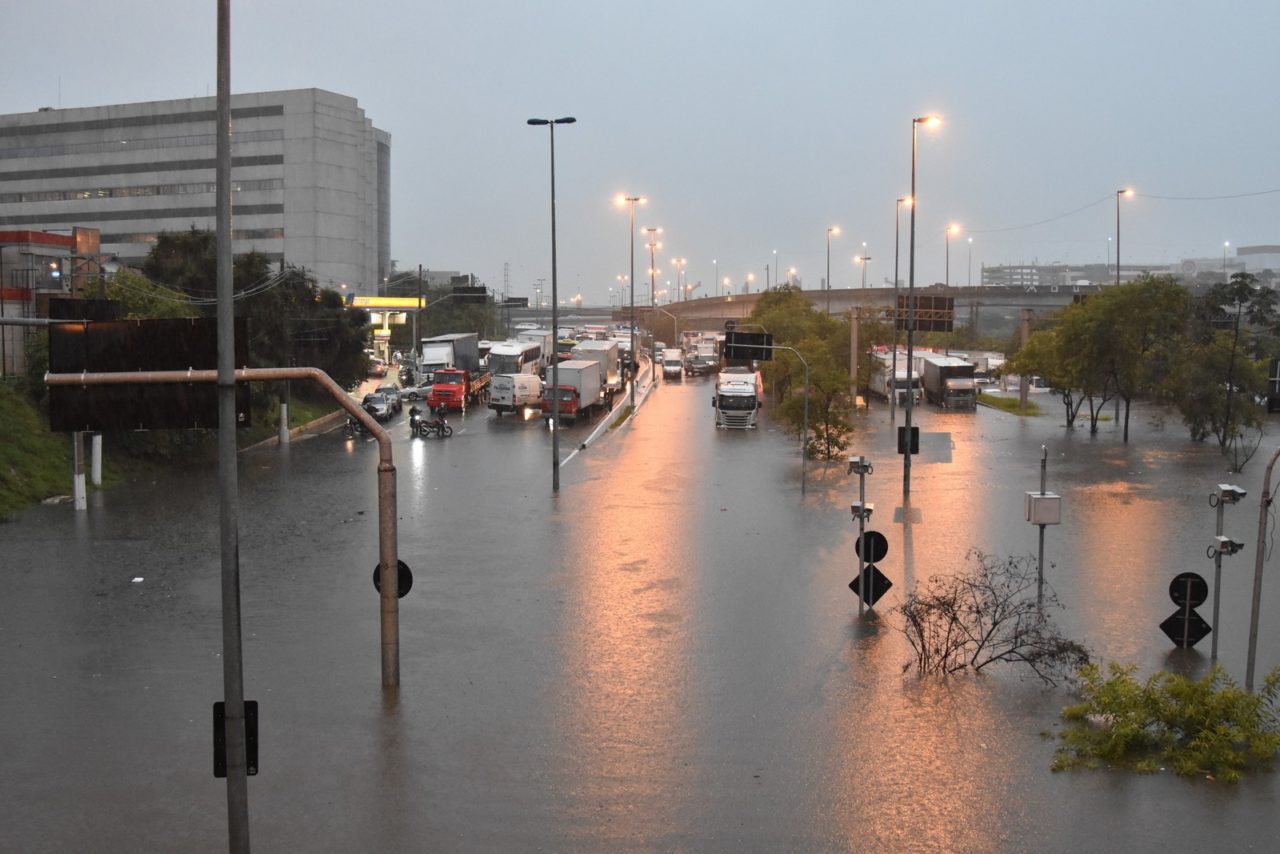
[{"x": 1185, "y": 627}]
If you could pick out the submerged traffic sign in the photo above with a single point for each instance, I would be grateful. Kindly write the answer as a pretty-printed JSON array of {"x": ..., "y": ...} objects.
[
  {"x": 877, "y": 584},
  {"x": 877, "y": 546},
  {"x": 1185, "y": 628}
]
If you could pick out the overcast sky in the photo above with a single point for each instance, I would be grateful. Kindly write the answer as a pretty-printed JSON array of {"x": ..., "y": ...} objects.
[{"x": 750, "y": 127}]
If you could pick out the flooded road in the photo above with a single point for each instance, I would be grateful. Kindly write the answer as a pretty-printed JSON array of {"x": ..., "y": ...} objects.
[{"x": 664, "y": 656}]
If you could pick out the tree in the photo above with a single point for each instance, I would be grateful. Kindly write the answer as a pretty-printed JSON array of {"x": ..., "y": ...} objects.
[
  {"x": 823, "y": 341},
  {"x": 142, "y": 298},
  {"x": 985, "y": 616},
  {"x": 1222, "y": 374},
  {"x": 1143, "y": 324}
]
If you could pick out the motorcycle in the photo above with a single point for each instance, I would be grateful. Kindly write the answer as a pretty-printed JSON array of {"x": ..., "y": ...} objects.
[
  {"x": 437, "y": 425},
  {"x": 353, "y": 427}
]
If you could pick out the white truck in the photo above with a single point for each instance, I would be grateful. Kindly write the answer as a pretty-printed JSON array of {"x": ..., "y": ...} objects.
[
  {"x": 738, "y": 399},
  {"x": 546, "y": 341},
  {"x": 672, "y": 363},
  {"x": 454, "y": 350},
  {"x": 514, "y": 392},
  {"x": 579, "y": 391},
  {"x": 606, "y": 353}
]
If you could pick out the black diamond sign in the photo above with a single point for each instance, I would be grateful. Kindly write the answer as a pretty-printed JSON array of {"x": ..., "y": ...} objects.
[
  {"x": 878, "y": 584},
  {"x": 1185, "y": 628}
]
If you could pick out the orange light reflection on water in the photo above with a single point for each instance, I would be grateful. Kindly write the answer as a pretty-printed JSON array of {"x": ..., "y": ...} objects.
[{"x": 625, "y": 693}]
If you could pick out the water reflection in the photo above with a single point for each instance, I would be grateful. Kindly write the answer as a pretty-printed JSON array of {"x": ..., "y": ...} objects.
[{"x": 630, "y": 572}]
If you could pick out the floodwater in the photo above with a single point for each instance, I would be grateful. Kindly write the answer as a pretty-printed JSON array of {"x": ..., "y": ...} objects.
[{"x": 663, "y": 657}]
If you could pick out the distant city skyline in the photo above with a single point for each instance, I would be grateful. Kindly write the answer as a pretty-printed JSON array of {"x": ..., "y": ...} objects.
[{"x": 749, "y": 130}]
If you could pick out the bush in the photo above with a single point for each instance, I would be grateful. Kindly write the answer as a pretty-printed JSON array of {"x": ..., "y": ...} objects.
[
  {"x": 987, "y": 615},
  {"x": 1191, "y": 726}
]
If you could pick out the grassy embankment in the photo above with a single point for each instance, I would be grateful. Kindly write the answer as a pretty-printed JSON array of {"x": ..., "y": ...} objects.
[
  {"x": 35, "y": 464},
  {"x": 1009, "y": 404}
]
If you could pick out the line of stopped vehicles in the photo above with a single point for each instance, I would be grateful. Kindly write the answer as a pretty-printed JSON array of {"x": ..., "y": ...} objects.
[{"x": 458, "y": 371}]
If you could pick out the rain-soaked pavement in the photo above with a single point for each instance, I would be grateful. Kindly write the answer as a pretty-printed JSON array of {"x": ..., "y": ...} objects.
[{"x": 663, "y": 657}]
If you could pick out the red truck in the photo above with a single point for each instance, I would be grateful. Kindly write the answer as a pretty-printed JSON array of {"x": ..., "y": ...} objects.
[{"x": 456, "y": 388}]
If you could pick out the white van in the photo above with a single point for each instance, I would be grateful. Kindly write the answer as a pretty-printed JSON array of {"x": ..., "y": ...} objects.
[
  {"x": 672, "y": 363},
  {"x": 514, "y": 392}
]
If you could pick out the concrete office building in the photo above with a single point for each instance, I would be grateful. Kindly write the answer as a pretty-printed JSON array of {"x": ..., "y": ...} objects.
[{"x": 310, "y": 178}]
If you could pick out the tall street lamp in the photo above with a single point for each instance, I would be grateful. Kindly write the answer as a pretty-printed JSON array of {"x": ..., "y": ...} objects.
[
  {"x": 969, "y": 278},
  {"x": 862, "y": 260},
  {"x": 679, "y": 265},
  {"x": 897, "y": 314},
  {"x": 927, "y": 121},
  {"x": 950, "y": 230},
  {"x": 1225, "y": 245},
  {"x": 555, "y": 311},
  {"x": 746, "y": 286},
  {"x": 654, "y": 246},
  {"x": 716, "y": 262},
  {"x": 631, "y": 202},
  {"x": 1127, "y": 191},
  {"x": 830, "y": 231}
]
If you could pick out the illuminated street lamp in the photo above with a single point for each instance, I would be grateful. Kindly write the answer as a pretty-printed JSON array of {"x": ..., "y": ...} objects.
[
  {"x": 927, "y": 121},
  {"x": 1225, "y": 245},
  {"x": 555, "y": 316},
  {"x": 746, "y": 286},
  {"x": 969, "y": 278},
  {"x": 862, "y": 260},
  {"x": 950, "y": 230},
  {"x": 679, "y": 265},
  {"x": 1127, "y": 191},
  {"x": 631, "y": 202}
]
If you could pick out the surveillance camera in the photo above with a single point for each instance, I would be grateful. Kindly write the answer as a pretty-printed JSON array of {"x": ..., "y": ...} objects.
[
  {"x": 1230, "y": 493},
  {"x": 859, "y": 465},
  {"x": 1227, "y": 546},
  {"x": 861, "y": 510}
]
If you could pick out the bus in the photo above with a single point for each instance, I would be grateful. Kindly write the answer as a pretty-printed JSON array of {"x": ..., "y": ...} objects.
[{"x": 516, "y": 357}]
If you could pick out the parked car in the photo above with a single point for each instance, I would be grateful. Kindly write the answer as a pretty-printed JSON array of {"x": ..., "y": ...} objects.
[
  {"x": 377, "y": 406},
  {"x": 392, "y": 394}
]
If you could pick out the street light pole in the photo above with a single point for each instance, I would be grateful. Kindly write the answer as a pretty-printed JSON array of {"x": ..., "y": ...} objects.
[
  {"x": 950, "y": 230},
  {"x": 555, "y": 306},
  {"x": 654, "y": 246},
  {"x": 911, "y": 302},
  {"x": 897, "y": 317},
  {"x": 631, "y": 202},
  {"x": 1124, "y": 192},
  {"x": 863, "y": 259},
  {"x": 969, "y": 277},
  {"x": 830, "y": 231},
  {"x": 1225, "y": 244}
]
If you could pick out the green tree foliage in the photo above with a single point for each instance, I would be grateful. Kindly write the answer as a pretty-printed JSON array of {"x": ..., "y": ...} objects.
[
  {"x": 1191, "y": 726},
  {"x": 1222, "y": 374},
  {"x": 142, "y": 298},
  {"x": 186, "y": 260},
  {"x": 823, "y": 341},
  {"x": 986, "y": 615},
  {"x": 445, "y": 314},
  {"x": 1150, "y": 339},
  {"x": 291, "y": 321}
]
